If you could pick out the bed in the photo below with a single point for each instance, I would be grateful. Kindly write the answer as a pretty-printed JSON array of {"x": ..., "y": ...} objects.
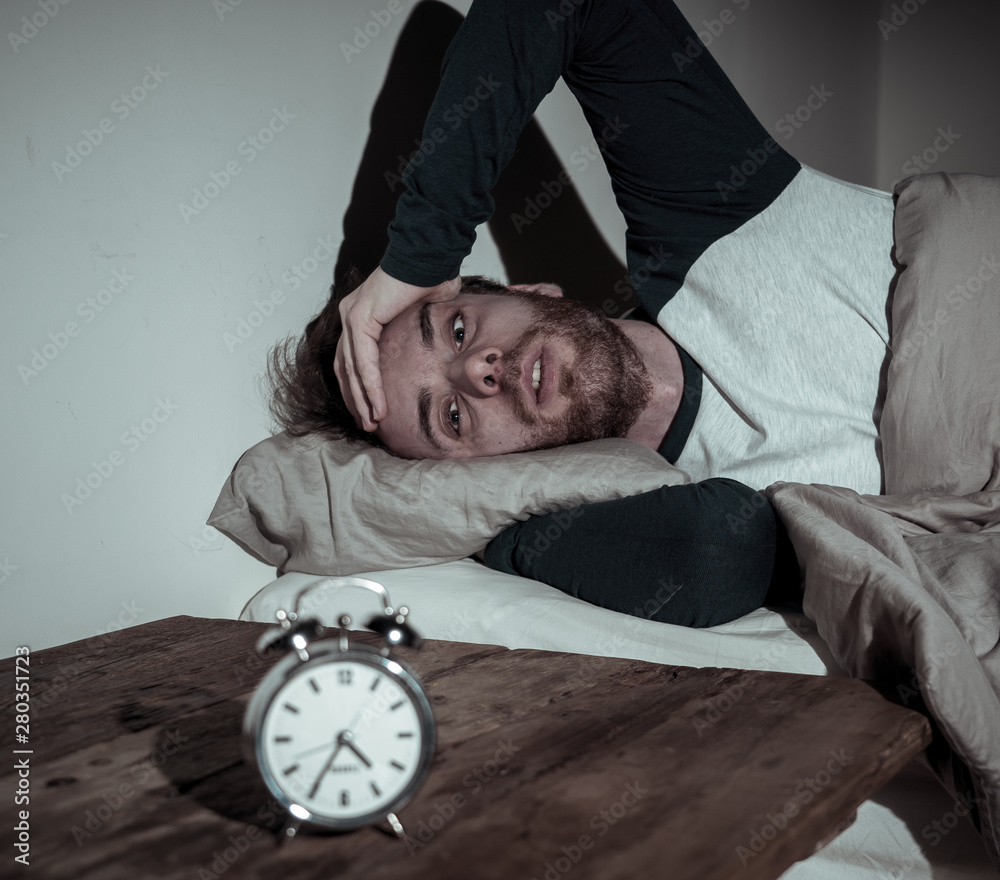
[{"x": 900, "y": 589}]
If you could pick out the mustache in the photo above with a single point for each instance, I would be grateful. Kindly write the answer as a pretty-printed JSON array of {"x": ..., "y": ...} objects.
[{"x": 512, "y": 375}]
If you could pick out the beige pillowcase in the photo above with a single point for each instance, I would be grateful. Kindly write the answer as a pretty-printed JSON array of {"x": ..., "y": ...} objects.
[
  {"x": 338, "y": 507},
  {"x": 940, "y": 426}
]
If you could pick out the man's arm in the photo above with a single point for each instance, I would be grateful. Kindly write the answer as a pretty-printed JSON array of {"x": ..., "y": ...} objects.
[
  {"x": 504, "y": 59},
  {"x": 669, "y": 124},
  {"x": 696, "y": 555}
]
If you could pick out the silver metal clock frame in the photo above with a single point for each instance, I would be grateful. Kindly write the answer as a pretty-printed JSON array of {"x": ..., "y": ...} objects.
[{"x": 307, "y": 654}]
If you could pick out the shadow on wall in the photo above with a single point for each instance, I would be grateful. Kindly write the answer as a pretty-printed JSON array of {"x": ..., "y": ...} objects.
[{"x": 541, "y": 227}]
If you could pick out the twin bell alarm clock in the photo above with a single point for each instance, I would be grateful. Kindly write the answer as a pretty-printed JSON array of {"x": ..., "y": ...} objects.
[{"x": 341, "y": 732}]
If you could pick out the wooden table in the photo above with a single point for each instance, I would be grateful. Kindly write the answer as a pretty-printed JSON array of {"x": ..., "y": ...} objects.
[{"x": 548, "y": 765}]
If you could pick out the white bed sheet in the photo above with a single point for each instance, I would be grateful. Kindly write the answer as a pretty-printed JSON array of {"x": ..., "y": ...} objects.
[{"x": 894, "y": 835}]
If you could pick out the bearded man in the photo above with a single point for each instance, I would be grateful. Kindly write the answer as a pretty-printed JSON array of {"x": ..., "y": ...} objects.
[{"x": 762, "y": 331}]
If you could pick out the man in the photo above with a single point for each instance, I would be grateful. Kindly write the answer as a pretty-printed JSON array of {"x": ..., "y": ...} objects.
[
  {"x": 769, "y": 280},
  {"x": 767, "y": 283}
]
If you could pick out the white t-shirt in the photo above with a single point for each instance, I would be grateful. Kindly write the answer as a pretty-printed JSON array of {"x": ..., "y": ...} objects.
[{"x": 792, "y": 359}]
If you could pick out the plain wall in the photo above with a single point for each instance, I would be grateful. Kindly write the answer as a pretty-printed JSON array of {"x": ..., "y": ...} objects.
[{"x": 135, "y": 330}]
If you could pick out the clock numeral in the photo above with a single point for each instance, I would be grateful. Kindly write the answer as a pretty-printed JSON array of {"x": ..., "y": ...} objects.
[
  {"x": 345, "y": 676},
  {"x": 290, "y": 770},
  {"x": 375, "y": 683},
  {"x": 376, "y": 790},
  {"x": 396, "y": 705},
  {"x": 314, "y": 685},
  {"x": 282, "y": 739},
  {"x": 405, "y": 734},
  {"x": 291, "y": 708},
  {"x": 397, "y": 765},
  {"x": 345, "y": 798}
]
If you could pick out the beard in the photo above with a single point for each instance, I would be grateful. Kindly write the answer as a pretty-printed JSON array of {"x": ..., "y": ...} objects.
[{"x": 607, "y": 384}]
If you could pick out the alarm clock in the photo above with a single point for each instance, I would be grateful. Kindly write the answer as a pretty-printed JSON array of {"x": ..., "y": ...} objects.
[{"x": 341, "y": 732}]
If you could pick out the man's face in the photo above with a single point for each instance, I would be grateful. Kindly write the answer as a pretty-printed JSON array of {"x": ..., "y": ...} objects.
[{"x": 488, "y": 374}]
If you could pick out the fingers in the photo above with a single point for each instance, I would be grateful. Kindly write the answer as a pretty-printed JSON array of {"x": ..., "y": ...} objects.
[
  {"x": 364, "y": 313},
  {"x": 360, "y": 385},
  {"x": 350, "y": 386},
  {"x": 368, "y": 377}
]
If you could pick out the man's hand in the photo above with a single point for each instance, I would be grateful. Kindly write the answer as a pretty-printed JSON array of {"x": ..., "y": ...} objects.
[{"x": 363, "y": 313}]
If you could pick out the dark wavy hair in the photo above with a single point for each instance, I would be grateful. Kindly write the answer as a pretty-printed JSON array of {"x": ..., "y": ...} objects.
[{"x": 305, "y": 396}]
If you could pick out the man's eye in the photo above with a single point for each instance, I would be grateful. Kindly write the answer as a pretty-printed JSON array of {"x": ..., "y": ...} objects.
[
  {"x": 458, "y": 330},
  {"x": 454, "y": 419}
]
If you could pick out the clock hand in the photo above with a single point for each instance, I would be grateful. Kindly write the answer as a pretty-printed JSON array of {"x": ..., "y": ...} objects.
[
  {"x": 350, "y": 744},
  {"x": 326, "y": 767},
  {"x": 360, "y": 712},
  {"x": 311, "y": 751}
]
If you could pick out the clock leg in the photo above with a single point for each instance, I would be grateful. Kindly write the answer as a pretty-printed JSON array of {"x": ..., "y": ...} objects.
[
  {"x": 396, "y": 825},
  {"x": 288, "y": 830}
]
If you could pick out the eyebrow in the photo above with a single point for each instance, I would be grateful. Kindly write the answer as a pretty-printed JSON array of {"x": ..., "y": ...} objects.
[
  {"x": 424, "y": 414},
  {"x": 426, "y": 327}
]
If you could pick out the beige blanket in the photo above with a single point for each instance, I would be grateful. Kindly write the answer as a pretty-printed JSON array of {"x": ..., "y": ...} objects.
[{"x": 905, "y": 587}]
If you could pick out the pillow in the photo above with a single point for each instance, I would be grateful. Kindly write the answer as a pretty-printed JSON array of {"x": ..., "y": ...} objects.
[
  {"x": 338, "y": 507},
  {"x": 940, "y": 425}
]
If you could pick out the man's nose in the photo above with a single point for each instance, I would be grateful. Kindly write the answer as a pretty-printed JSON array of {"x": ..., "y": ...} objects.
[{"x": 480, "y": 372}]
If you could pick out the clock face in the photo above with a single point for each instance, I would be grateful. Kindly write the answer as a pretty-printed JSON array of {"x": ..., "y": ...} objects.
[{"x": 348, "y": 737}]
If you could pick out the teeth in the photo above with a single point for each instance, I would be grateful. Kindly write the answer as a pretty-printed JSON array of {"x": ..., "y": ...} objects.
[{"x": 536, "y": 374}]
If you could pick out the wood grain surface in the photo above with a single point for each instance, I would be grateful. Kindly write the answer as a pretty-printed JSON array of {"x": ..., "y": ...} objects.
[{"x": 547, "y": 766}]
